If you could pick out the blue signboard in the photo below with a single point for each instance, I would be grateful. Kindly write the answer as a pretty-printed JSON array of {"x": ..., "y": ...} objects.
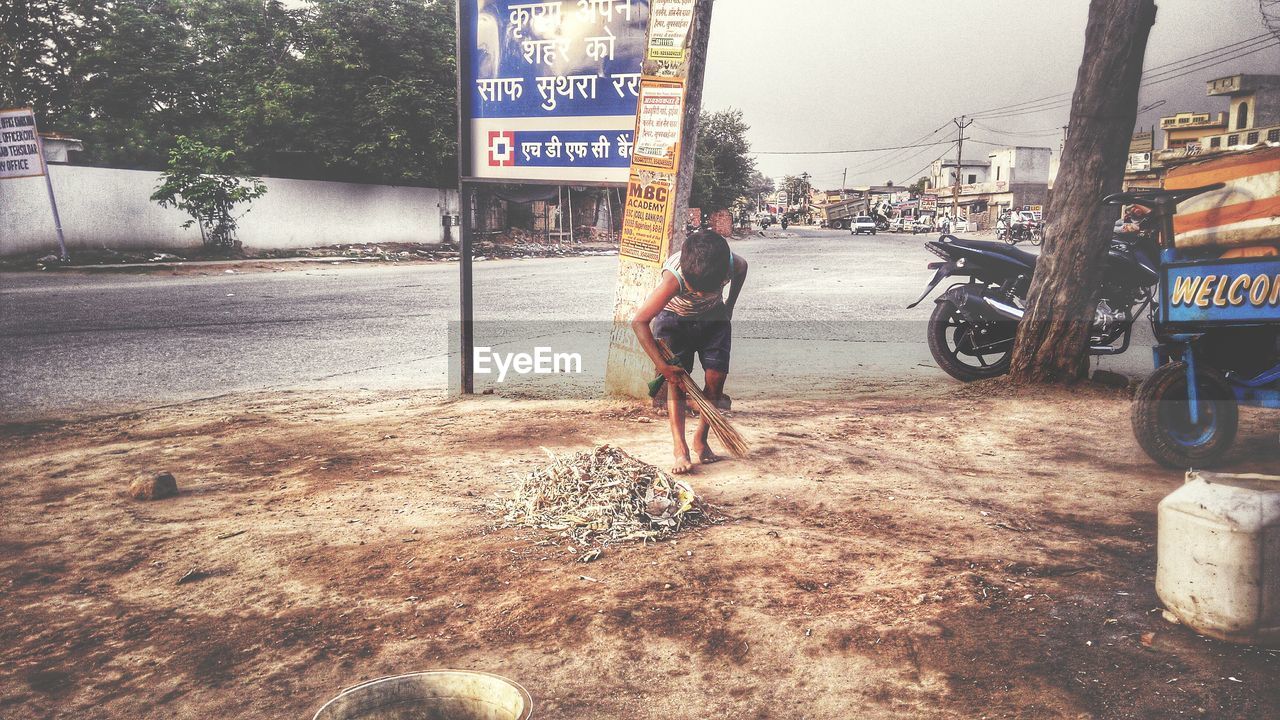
[
  {"x": 1230, "y": 292},
  {"x": 549, "y": 89}
]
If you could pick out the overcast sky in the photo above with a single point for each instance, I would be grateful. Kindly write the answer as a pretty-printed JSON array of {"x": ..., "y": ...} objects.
[{"x": 843, "y": 74}]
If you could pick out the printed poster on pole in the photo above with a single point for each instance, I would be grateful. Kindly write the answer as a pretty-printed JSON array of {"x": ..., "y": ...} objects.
[
  {"x": 661, "y": 113},
  {"x": 647, "y": 217},
  {"x": 669, "y": 29},
  {"x": 549, "y": 89}
]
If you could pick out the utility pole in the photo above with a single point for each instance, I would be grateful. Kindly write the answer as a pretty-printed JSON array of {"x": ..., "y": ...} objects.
[
  {"x": 669, "y": 70},
  {"x": 961, "y": 123},
  {"x": 843, "y": 179}
]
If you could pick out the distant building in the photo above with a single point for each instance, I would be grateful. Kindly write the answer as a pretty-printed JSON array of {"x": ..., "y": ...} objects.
[
  {"x": 944, "y": 172},
  {"x": 1186, "y": 128},
  {"x": 57, "y": 147},
  {"x": 1012, "y": 177},
  {"x": 1254, "y": 112},
  {"x": 1252, "y": 117}
]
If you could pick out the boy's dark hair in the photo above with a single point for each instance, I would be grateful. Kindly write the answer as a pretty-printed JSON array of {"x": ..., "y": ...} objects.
[{"x": 704, "y": 260}]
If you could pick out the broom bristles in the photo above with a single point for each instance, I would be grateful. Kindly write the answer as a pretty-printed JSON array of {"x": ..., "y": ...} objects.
[{"x": 725, "y": 433}]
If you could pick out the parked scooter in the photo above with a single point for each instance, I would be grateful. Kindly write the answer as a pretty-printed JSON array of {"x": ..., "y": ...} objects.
[{"x": 972, "y": 328}]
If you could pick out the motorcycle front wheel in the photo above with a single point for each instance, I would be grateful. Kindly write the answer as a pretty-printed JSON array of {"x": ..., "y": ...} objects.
[
  {"x": 1161, "y": 417},
  {"x": 957, "y": 345},
  {"x": 1005, "y": 235}
]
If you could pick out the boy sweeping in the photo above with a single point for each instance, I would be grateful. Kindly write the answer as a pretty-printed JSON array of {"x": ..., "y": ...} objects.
[{"x": 687, "y": 312}]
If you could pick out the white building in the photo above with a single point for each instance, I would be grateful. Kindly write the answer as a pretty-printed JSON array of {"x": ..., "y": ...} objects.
[{"x": 1012, "y": 177}]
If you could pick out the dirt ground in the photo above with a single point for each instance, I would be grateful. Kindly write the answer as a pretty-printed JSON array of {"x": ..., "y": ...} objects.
[{"x": 892, "y": 551}]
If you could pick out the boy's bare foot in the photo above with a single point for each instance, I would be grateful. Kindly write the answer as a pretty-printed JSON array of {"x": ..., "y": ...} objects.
[
  {"x": 705, "y": 455},
  {"x": 682, "y": 465}
]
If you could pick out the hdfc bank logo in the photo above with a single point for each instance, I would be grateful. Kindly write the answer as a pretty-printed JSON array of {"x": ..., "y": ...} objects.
[{"x": 502, "y": 148}]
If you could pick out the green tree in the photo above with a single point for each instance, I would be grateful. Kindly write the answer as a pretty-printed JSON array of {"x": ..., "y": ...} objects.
[
  {"x": 201, "y": 181},
  {"x": 760, "y": 186},
  {"x": 138, "y": 86},
  {"x": 918, "y": 187},
  {"x": 376, "y": 89},
  {"x": 250, "y": 49},
  {"x": 344, "y": 89},
  {"x": 797, "y": 188},
  {"x": 40, "y": 41},
  {"x": 723, "y": 170}
]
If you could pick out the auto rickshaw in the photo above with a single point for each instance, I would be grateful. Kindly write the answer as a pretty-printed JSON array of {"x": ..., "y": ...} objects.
[{"x": 1217, "y": 322}]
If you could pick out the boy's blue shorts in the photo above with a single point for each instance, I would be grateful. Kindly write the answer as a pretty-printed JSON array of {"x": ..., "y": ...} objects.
[{"x": 709, "y": 335}]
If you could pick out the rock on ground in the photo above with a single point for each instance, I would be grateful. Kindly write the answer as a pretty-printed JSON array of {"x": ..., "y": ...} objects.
[{"x": 159, "y": 487}]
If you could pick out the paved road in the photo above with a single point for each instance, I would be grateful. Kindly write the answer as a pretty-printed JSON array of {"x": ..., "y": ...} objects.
[{"x": 818, "y": 303}]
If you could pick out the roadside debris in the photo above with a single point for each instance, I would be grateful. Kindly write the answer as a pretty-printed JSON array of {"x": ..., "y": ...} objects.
[
  {"x": 603, "y": 496},
  {"x": 154, "y": 488},
  {"x": 193, "y": 575}
]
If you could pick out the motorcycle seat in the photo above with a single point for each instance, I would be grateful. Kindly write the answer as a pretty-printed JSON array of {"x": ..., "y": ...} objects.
[
  {"x": 1158, "y": 198},
  {"x": 998, "y": 248}
]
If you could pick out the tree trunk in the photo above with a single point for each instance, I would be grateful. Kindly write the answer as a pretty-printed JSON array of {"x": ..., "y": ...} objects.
[{"x": 1053, "y": 337}]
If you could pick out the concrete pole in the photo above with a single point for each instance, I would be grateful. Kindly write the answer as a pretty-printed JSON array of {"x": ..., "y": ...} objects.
[
  {"x": 961, "y": 124},
  {"x": 629, "y": 369}
]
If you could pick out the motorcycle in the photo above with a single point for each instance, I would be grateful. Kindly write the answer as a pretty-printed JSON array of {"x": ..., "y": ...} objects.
[
  {"x": 1015, "y": 232},
  {"x": 972, "y": 328}
]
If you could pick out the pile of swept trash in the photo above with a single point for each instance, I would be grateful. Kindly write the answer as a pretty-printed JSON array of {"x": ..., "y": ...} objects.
[{"x": 603, "y": 496}]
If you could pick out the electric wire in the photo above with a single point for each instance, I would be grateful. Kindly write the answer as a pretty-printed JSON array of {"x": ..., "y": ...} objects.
[
  {"x": 1153, "y": 76},
  {"x": 1210, "y": 63},
  {"x": 1152, "y": 71},
  {"x": 930, "y": 163},
  {"x": 841, "y": 152}
]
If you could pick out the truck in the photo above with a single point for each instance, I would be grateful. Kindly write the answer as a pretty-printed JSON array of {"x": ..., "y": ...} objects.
[{"x": 839, "y": 215}]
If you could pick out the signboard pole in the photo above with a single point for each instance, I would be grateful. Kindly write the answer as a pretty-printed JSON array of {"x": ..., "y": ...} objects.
[
  {"x": 466, "y": 317},
  {"x": 466, "y": 324},
  {"x": 661, "y": 175},
  {"x": 53, "y": 203}
]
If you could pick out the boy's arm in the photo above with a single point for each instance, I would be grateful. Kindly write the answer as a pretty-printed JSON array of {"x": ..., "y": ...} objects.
[
  {"x": 648, "y": 310},
  {"x": 735, "y": 285}
]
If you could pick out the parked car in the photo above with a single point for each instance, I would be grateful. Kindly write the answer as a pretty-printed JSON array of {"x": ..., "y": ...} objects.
[
  {"x": 899, "y": 224},
  {"x": 959, "y": 225},
  {"x": 923, "y": 224},
  {"x": 863, "y": 224}
]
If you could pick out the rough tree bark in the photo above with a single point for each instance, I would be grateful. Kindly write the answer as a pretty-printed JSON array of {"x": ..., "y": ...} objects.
[{"x": 1052, "y": 338}]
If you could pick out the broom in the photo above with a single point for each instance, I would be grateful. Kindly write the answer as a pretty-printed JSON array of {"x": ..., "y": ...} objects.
[{"x": 725, "y": 432}]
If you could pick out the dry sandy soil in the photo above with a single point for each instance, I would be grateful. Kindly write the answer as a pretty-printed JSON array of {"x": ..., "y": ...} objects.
[{"x": 943, "y": 552}]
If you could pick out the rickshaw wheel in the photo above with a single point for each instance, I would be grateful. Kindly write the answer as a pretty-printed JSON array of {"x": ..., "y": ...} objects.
[{"x": 1162, "y": 423}]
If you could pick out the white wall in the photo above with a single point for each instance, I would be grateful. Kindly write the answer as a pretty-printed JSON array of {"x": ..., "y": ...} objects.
[{"x": 102, "y": 207}]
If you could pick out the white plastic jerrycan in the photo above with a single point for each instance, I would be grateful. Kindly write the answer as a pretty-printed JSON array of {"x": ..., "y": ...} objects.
[{"x": 1218, "y": 556}]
